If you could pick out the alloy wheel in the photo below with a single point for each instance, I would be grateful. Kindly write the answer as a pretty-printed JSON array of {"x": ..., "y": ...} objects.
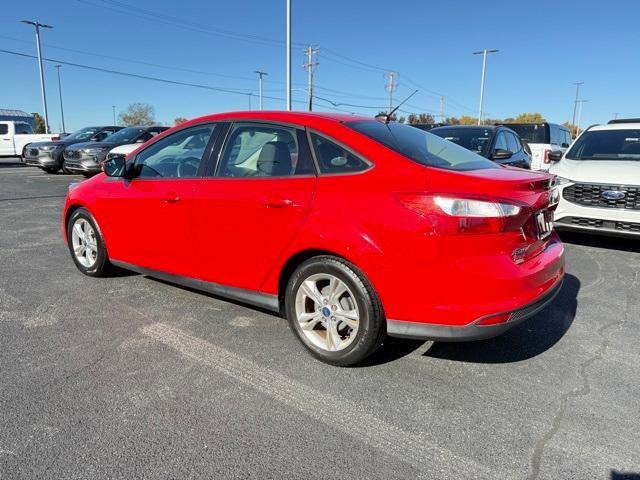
[{"x": 84, "y": 243}]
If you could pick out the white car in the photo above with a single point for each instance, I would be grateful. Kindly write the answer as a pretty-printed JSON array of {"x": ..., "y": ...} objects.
[
  {"x": 14, "y": 136},
  {"x": 599, "y": 180},
  {"x": 542, "y": 138},
  {"x": 122, "y": 150}
]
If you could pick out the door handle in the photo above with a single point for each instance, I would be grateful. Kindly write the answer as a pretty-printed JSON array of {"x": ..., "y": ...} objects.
[
  {"x": 172, "y": 198},
  {"x": 278, "y": 202}
]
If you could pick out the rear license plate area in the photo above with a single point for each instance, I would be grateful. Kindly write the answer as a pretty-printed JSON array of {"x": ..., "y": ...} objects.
[{"x": 544, "y": 223}]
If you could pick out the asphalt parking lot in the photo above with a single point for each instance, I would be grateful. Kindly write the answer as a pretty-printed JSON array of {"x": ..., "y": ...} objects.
[{"x": 129, "y": 377}]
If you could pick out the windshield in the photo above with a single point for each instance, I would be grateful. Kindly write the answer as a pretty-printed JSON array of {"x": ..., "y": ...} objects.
[
  {"x": 126, "y": 135},
  {"x": 420, "y": 146},
  {"x": 531, "y": 133},
  {"x": 474, "y": 139},
  {"x": 82, "y": 134},
  {"x": 606, "y": 145}
]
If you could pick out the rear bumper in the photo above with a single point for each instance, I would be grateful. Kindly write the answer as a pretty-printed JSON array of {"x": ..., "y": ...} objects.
[{"x": 473, "y": 331}]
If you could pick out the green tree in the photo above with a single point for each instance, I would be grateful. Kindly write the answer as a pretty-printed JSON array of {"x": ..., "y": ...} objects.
[
  {"x": 467, "y": 120},
  {"x": 422, "y": 118},
  {"x": 572, "y": 128},
  {"x": 39, "y": 121},
  {"x": 452, "y": 121},
  {"x": 533, "y": 117},
  {"x": 179, "y": 120},
  {"x": 137, "y": 114}
]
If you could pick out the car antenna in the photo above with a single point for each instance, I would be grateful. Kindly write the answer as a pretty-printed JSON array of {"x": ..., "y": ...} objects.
[{"x": 387, "y": 116}]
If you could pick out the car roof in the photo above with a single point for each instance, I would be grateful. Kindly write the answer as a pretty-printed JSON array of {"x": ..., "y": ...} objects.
[
  {"x": 616, "y": 126},
  {"x": 492, "y": 128},
  {"x": 305, "y": 118}
]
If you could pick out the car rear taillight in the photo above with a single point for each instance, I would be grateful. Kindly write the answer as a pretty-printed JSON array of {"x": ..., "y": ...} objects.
[
  {"x": 452, "y": 215},
  {"x": 55, "y": 138},
  {"x": 546, "y": 156}
]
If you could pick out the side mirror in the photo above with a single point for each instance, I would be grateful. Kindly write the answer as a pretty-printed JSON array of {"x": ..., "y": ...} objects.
[
  {"x": 501, "y": 154},
  {"x": 555, "y": 156},
  {"x": 115, "y": 166}
]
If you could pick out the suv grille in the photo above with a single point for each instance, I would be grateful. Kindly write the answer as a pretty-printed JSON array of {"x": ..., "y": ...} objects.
[
  {"x": 71, "y": 154},
  {"x": 591, "y": 195},
  {"x": 596, "y": 223}
]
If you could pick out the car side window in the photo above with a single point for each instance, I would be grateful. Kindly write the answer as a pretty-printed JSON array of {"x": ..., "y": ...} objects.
[
  {"x": 262, "y": 150},
  {"x": 102, "y": 135},
  {"x": 23, "y": 129},
  {"x": 512, "y": 142},
  {"x": 175, "y": 156},
  {"x": 501, "y": 142},
  {"x": 4, "y": 128},
  {"x": 332, "y": 158}
]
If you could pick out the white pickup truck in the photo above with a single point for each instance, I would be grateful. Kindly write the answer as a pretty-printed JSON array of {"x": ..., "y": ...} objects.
[{"x": 15, "y": 135}]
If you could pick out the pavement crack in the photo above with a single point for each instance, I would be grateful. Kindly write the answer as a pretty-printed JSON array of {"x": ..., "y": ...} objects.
[{"x": 583, "y": 389}]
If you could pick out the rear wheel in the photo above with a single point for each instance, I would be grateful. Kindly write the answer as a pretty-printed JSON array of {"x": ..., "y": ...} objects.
[
  {"x": 334, "y": 311},
  {"x": 86, "y": 244}
]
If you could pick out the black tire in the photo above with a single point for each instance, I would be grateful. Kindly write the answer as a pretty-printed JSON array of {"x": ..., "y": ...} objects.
[
  {"x": 51, "y": 169},
  {"x": 102, "y": 266},
  {"x": 372, "y": 324}
]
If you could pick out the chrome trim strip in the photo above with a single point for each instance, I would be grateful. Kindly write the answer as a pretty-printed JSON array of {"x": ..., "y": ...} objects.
[
  {"x": 471, "y": 331},
  {"x": 257, "y": 299}
]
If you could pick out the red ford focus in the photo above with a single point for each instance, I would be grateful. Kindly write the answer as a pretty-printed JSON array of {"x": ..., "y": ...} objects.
[{"x": 352, "y": 228}]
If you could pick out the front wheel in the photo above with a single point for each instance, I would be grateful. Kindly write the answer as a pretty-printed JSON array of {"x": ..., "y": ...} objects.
[
  {"x": 334, "y": 311},
  {"x": 86, "y": 244}
]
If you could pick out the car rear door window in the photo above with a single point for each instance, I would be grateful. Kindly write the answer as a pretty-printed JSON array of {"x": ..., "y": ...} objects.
[
  {"x": 501, "y": 142},
  {"x": 512, "y": 142},
  {"x": 332, "y": 158},
  {"x": 263, "y": 150},
  {"x": 175, "y": 156},
  {"x": 4, "y": 128}
]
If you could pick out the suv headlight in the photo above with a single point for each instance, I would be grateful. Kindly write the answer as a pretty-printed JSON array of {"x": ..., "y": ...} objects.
[
  {"x": 94, "y": 151},
  {"x": 562, "y": 180}
]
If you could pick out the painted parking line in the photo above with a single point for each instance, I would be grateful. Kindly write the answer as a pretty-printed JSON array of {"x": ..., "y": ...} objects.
[{"x": 415, "y": 450}]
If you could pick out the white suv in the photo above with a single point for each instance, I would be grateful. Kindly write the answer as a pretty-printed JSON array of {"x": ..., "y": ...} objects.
[{"x": 599, "y": 180}]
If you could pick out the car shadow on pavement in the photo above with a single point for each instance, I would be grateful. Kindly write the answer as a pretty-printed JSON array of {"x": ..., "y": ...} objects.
[
  {"x": 600, "y": 241},
  {"x": 616, "y": 475},
  {"x": 527, "y": 340}
]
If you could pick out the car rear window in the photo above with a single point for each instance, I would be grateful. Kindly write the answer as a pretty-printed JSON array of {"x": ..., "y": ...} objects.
[
  {"x": 606, "y": 145},
  {"x": 531, "y": 133},
  {"x": 474, "y": 139},
  {"x": 422, "y": 147}
]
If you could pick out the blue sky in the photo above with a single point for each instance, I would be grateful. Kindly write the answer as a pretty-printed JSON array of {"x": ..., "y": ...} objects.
[{"x": 544, "y": 47}]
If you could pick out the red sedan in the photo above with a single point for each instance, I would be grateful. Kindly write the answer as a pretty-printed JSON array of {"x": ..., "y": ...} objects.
[{"x": 353, "y": 228}]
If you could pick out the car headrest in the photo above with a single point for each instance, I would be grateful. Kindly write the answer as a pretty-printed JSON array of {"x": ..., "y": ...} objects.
[{"x": 274, "y": 159}]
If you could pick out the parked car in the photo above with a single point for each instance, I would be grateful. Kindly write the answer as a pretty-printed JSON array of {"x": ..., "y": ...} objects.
[
  {"x": 599, "y": 180},
  {"x": 85, "y": 158},
  {"x": 351, "y": 227},
  {"x": 500, "y": 144},
  {"x": 15, "y": 135},
  {"x": 48, "y": 155},
  {"x": 543, "y": 138},
  {"x": 130, "y": 147}
]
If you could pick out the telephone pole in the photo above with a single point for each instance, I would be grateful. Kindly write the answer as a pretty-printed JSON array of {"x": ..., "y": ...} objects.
[
  {"x": 260, "y": 75},
  {"x": 442, "y": 109},
  {"x": 64, "y": 129},
  {"x": 310, "y": 51},
  {"x": 113, "y": 107},
  {"x": 391, "y": 86},
  {"x": 615, "y": 115},
  {"x": 39, "y": 25},
  {"x": 580, "y": 103},
  {"x": 484, "y": 53},
  {"x": 575, "y": 103}
]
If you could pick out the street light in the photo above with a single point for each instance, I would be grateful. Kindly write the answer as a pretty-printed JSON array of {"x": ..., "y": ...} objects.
[
  {"x": 288, "y": 34},
  {"x": 484, "y": 53},
  {"x": 39, "y": 25},
  {"x": 260, "y": 75},
  {"x": 580, "y": 102},
  {"x": 64, "y": 129}
]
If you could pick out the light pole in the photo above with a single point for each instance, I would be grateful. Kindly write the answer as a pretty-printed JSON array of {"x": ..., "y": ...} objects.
[
  {"x": 260, "y": 75},
  {"x": 484, "y": 53},
  {"x": 64, "y": 129},
  {"x": 580, "y": 102},
  {"x": 575, "y": 102},
  {"x": 288, "y": 55},
  {"x": 113, "y": 109},
  {"x": 38, "y": 25}
]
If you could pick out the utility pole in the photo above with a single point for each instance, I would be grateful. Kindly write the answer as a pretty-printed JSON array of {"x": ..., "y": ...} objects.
[
  {"x": 575, "y": 103},
  {"x": 442, "y": 109},
  {"x": 310, "y": 51},
  {"x": 39, "y": 25},
  {"x": 288, "y": 34},
  {"x": 64, "y": 129},
  {"x": 260, "y": 75},
  {"x": 113, "y": 107},
  {"x": 580, "y": 102},
  {"x": 391, "y": 86},
  {"x": 484, "y": 53},
  {"x": 615, "y": 115}
]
